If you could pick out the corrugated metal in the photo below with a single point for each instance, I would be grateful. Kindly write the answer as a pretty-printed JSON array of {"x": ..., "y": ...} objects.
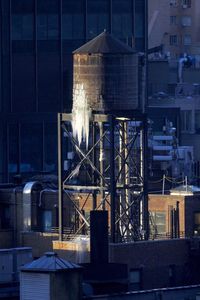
[{"x": 34, "y": 286}]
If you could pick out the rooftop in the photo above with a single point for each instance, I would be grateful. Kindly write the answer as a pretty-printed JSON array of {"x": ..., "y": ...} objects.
[{"x": 50, "y": 262}]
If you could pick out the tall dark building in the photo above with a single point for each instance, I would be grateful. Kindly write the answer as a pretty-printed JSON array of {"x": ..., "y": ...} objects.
[{"x": 37, "y": 38}]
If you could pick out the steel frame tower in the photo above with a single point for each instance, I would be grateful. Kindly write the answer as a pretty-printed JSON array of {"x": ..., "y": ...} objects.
[{"x": 113, "y": 169}]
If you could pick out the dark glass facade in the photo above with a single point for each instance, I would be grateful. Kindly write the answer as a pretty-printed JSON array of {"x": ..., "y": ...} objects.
[{"x": 37, "y": 38}]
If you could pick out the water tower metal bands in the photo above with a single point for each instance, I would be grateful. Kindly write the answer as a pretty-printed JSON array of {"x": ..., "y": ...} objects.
[{"x": 112, "y": 174}]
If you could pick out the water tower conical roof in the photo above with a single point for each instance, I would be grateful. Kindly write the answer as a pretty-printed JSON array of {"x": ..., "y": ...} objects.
[
  {"x": 50, "y": 262},
  {"x": 104, "y": 43}
]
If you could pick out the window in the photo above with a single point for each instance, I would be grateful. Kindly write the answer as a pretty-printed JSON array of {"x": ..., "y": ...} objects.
[
  {"x": 187, "y": 40},
  {"x": 186, "y": 21},
  {"x": 13, "y": 148},
  {"x": 197, "y": 121},
  {"x": 186, "y": 120},
  {"x": 139, "y": 21},
  {"x": 157, "y": 223},
  {"x": 47, "y": 27},
  {"x": 48, "y": 86},
  {"x": 135, "y": 279},
  {"x": 122, "y": 20},
  {"x": 73, "y": 23},
  {"x": 98, "y": 17},
  {"x": 173, "y": 3},
  {"x": 23, "y": 86},
  {"x": 46, "y": 220},
  {"x": 4, "y": 216},
  {"x": 22, "y": 27},
  {"x": 47, "y": 20},
  {"x": 173, "y": 40},
  {"x": 22, "y": 20},
  {"x": 197, "y": 223},
  {"x": 73, "y": 27},
  {"x": 186, "y": 3},
  {"x": 31, "y": 148},
  {"x": 50, "y": 136},
  {"x": 173, "y": 20}
]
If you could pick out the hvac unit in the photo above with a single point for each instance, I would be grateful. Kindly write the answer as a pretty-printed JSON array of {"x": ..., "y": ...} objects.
[{"x": 6, "y": 265}]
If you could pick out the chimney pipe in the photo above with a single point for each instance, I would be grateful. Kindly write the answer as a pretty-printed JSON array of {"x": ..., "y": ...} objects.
[{"x": 98, "y": 237}]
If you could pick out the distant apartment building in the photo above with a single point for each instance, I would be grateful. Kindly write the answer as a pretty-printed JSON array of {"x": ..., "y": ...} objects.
[{"x": 175, "y": 25}]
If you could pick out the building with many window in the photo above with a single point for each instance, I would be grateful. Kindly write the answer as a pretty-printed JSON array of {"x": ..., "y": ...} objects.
[
  {"x": 37, "y": 38},
  {"x": 175, "y": 24}
]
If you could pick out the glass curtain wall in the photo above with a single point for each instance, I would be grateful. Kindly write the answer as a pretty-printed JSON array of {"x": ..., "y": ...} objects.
[
  {"x": 98, "y": 17},
  {"x": 122, "y": 20},
  {"x": 38, "y": 38},
  {"x": 22, "y": 36}
]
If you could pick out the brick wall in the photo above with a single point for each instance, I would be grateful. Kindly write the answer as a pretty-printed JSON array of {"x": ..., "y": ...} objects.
[
  {"x": 188, "y": 205},
  {"x": 154, "y": 259}
]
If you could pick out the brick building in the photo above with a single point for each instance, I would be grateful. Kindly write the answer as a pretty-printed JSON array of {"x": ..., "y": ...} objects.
[
  {"x": 175, "y": 24},
  {"x": 166, "y": 210},
  {"x": 151, "y": 264}
]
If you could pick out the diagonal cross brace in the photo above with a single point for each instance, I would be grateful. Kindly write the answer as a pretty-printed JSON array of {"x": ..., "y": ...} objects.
[{"x": 85, "y": 156}]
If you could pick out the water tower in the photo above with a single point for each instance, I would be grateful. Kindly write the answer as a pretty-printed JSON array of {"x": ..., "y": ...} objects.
[{"x": 107, "y": 135}]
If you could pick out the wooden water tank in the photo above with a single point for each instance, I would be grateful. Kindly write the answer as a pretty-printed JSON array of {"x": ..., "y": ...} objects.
[{"x": 107, "y": 70}]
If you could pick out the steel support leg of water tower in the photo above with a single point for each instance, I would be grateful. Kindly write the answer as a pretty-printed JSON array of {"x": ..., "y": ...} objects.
[
  {"x": 94, "y": 158},
  {"x": 60, "y": 190},
  {"x": 121, "y": 178},
  {"x": 112, "y": 179},
  {"x": 145, "y": 181}
]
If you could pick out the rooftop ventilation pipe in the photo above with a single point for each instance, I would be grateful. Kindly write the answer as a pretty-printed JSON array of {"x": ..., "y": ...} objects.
[{"x": 27, "y": 203}]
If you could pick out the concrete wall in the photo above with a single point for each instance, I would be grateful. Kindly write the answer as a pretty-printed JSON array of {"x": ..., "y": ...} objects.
[
  {"x": 66, "y": 285},
  {"x": 76, "y": 250},
  {"x": 6, "y": 239},
  {"x": 40, "y": 242},
  {"x": 158, "y": 15},
  {"x": 161, "y": 73},
  {"x": 192, "y": 205},
  {"x": 158, "y": 83}
]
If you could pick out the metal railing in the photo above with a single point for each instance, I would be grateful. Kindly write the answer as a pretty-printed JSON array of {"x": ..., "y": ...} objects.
[{"x": 166, "y": 236}]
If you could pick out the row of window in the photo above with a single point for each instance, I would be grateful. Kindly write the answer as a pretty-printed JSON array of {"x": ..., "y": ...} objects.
[
  {"x": 72, "y": 26},
  {"x": 29, "y": 144},
  {"x": 175, "y": 40},
  {"x": 32, "y": 148},
  {"x": 185, "y": 21},
  {"x": 183, "y": 3},
  {"x": 47, "y": 17},
  {"x": 186, "y": 121},
  {"x": 158, "y": 223}
]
